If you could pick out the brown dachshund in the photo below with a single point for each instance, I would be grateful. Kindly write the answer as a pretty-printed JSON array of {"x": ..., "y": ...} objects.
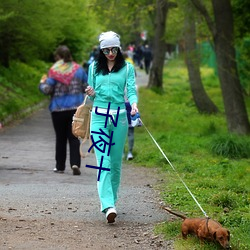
[{"x": 204, "y": 229}]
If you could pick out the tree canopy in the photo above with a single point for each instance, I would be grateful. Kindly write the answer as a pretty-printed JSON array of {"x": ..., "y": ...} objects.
[
  {"x": 28, "y": 33},
  {"x": 32, "y": 30}
]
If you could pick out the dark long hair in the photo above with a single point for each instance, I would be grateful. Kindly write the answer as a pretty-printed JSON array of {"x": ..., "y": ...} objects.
[
  {"x": 102, "y": 66},
  {"x": 64, "y": 53}
]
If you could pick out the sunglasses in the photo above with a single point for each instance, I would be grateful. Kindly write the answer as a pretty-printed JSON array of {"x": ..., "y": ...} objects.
[{"x": 106, "y": 51}]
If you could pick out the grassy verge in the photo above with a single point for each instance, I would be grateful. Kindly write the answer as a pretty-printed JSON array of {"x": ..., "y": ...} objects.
[
  {"x": 213, "y": 164},
  {"x": 19, "y": 89}
]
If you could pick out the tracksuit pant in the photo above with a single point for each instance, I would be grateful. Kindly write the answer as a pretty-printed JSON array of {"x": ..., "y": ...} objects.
[{"x": 109, "y": 156}]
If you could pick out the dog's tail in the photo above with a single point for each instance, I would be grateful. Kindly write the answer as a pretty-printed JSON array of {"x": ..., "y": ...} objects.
[{"x": 175, "y": 213}]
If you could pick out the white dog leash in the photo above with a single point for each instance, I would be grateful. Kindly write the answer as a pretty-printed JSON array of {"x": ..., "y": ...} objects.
[{"x": 174, "y": 170}]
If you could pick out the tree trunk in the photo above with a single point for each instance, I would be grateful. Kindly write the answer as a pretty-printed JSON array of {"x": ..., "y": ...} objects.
[
  {"x": 201, "y": 99},
  {"x": 235, "y": 109},
  {"x": 223, "y": 38},
  {"x": 159, "y": 47}
]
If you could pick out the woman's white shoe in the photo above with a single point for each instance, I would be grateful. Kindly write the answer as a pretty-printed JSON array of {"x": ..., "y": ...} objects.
[{"x": 111, "y": 214}]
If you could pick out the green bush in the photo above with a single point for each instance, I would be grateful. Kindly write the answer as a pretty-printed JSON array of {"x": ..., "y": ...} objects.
[
  {"x": 231, "y": 146},
  {"x": 223, "y": 200},
  {"x": 19, "y": 88}
]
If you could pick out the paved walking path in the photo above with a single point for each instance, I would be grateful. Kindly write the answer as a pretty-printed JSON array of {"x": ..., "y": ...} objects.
[
  {"x": 32, "y": 194},
  {"x": 141, "y": 78}
]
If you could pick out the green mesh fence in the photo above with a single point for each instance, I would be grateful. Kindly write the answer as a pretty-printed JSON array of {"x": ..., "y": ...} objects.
[
  {"x": 208, "y": 58},
  {"x": 207, "y": 55}
]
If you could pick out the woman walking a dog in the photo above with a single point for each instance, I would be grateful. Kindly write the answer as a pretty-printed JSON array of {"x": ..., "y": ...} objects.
[{"x": 108, "y": 78}]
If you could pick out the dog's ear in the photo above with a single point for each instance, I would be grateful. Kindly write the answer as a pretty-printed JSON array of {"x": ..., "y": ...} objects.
[
  {"x": 228, "y": 237},
  {"x": 214, "y": 235}
]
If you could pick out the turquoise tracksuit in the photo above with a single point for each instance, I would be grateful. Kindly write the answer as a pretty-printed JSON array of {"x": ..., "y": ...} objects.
[{"x": 109, "y": 90}]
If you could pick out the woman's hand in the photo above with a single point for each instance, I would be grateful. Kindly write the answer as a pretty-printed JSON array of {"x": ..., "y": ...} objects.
[
  {"x": 90, "y": 91},
  {"x": 43, "y": 79},
  {"x": 134, "y": 109}
]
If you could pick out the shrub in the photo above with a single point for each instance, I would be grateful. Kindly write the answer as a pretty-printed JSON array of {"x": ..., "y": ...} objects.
[
  {"x": 231, "y": 146},
  {"x": 223, "y": 200}
]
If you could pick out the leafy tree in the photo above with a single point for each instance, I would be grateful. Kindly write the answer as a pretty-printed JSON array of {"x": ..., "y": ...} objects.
[
  {"x": 201, "y": 99},
  {"x": 242, "y": 33},
  {"x": 28, "y": 33},
  {"x": 156, "y": 72},
  {"x": 126, "y": 17},
  {"x": 221, "y": 28},
  {"x": 241, "y": 18},
  {"x": 78, "y": 30},
  {"x": 22, "y": 35},
  {"x": 134, "y": 18},
  {"x": 175, "y": 24}
]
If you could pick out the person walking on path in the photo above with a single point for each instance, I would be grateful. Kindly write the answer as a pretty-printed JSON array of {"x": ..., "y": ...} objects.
[
  {"x": 131, "y": 129},
  {"x": 147, "y": 54},
  {"x": 65, "y": 84},
  {"x": 108, "y": 78}
]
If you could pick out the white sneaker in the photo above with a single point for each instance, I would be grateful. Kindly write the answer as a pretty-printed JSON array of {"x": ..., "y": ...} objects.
[
  {"x": 129, "y": 156},
  {"x": 58, "y": 171},
  {"x": 111, "y": 214},
  {"x": 76, "y": 170}
]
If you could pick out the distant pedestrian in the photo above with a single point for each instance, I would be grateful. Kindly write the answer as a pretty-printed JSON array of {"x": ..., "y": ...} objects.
[
  {"x": 128, "y": 108},
  {"x": 93, "y": 55},
  {"x": 65, "y": 84},
  {"x": 147, "y": 54},
  {"x": 138, "y": 52}
]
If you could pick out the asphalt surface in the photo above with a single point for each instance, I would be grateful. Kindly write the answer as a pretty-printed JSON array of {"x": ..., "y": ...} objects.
[{"x": 26, "y": 164}]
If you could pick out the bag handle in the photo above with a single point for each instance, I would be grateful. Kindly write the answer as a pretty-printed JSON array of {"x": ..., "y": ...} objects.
[
  {"x": 83, "y": 155},
  {"x": 85, "y": 99},
  {"x": 87, "y": 136}
]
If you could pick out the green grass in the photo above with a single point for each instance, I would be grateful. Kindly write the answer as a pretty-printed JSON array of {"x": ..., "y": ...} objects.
[
  {"x": 19, "y": 88},
  {"x": 214, "y": 164}
]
